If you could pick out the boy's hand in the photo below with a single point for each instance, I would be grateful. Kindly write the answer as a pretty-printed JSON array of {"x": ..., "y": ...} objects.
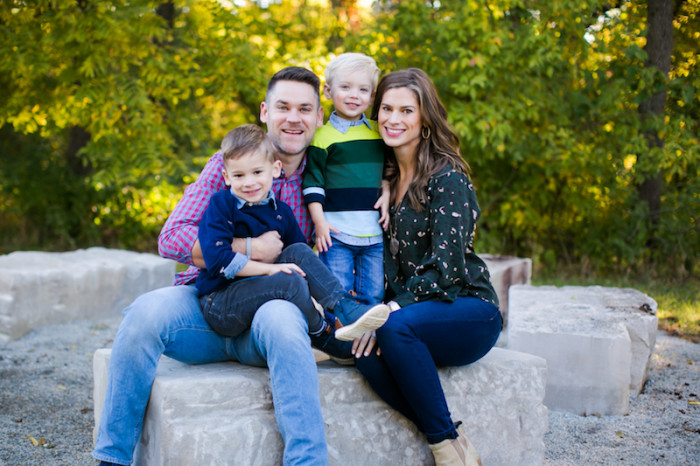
[
  {"x": 285, "y": 268},
  {"x": 382, "y": 205},
  {"x": 323, "y": 235}
]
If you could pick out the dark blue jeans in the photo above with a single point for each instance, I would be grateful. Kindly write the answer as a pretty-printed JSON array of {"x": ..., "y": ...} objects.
[
  {"x": 230, "y": 310},
  {"x": 414, "y": 342}
]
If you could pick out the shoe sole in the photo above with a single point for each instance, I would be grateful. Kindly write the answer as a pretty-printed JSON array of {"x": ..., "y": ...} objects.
[{"x": 369, "y": 321}]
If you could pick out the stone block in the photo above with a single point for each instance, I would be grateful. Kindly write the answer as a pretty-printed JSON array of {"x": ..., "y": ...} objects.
[
  {"x": 597, "y": 342},
  {"x": 507, "y": 271},
  {"x": 222, "y": 414},
  {"x": 43, "y": 288}
]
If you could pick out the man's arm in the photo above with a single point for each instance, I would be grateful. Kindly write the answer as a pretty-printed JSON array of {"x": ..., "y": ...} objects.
[
  {"x": 179, "y": 234},
  {"x": 265, "y": 248}
]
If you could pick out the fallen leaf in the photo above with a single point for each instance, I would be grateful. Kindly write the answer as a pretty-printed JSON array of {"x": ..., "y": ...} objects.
[
  {"x": 694, "y": 402},
  {"x": 35, "y": 442},
  {"x": 689, "y": 362},
  {"x": 620, "y": 434},
  {"x": 61, "y": 387}
]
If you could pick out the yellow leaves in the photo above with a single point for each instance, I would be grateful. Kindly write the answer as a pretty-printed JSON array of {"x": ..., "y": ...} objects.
[
  {"x": 630, "y": 161},
  {"x": 620, "y": 434},
  {"x": 609, "y": 126},
  {"x": 41, "y": 442}
]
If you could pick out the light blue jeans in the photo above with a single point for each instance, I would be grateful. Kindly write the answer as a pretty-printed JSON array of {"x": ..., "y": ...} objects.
[
  {"x": 358, "y": 268},
  {"x": 169, "y": 321}
]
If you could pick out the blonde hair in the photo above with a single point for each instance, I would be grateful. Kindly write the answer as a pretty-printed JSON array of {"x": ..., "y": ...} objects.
[
  {"x": 350, "y": 62},
  {"x": 437, "y": 150},
  {"x": 245, "y": 140}
]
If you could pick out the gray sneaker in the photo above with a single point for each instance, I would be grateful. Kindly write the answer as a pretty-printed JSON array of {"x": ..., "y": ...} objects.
[{"x": 369, "y": 321}]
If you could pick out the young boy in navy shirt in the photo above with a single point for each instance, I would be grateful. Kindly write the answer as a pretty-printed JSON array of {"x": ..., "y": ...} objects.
[{"x": 233, "y": 287}]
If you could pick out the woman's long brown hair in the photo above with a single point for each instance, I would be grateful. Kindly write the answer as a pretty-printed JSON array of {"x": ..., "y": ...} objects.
[{"x": 439, "y": 150}]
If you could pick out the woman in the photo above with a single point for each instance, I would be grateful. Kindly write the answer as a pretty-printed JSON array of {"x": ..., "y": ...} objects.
[{"x": 444, "y": 308}]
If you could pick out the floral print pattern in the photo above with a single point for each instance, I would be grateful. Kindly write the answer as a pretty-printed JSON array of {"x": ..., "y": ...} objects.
[{"x": 436, "y": 259}]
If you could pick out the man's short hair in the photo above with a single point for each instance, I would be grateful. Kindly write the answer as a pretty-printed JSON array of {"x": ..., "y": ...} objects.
[
  {"x": 350, "y": 62},
  {"x": 298, "y": 74},
  {"x": 245, "y": 140}
]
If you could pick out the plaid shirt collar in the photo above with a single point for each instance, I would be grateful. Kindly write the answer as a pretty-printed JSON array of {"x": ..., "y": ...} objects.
[{"x": 288, "y": 190}]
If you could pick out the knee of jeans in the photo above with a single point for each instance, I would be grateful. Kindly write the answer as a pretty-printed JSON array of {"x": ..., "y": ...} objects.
[
  {"x": 292, "y": 282},
  {"x": 296, "y": 250},
  {"x": 392, "y": 330},
  {"x": 282, "y": 320}
]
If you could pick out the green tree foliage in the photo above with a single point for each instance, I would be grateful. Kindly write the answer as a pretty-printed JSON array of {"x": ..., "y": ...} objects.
[
  {"x": 108, "y": 108},
  {"x": 544, "y": 96}
]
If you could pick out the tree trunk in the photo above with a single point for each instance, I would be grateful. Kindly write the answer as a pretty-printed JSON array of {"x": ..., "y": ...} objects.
[{"x": 658, "y": 47}]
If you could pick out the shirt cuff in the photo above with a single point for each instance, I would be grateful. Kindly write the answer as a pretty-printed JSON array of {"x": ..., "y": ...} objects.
[{"x": 237, "y": 263}]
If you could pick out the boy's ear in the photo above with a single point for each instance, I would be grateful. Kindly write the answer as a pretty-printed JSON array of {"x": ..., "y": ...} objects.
[
  {"x": 276, "y": 169},
  {"x": 226, "y": 180},
  {"x": 327, "y": 91}
]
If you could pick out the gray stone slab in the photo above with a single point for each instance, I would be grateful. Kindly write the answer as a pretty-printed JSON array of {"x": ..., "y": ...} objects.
[
  {"x": 222, "y": 414},
  {"x": 597, "y": 342},
  {"x": 42, "y": 288},
  {"x": 507, "y": 271}
]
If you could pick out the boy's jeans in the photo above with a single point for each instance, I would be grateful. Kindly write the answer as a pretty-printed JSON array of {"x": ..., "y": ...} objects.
[
  {"x": 359, "y": 268},
  {"x": 168, "y": 321},
  {"x": 230, "y": 310}
]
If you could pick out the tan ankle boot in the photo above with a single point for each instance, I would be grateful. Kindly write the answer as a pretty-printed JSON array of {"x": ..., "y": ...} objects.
[{"x": 457, "y": 452}]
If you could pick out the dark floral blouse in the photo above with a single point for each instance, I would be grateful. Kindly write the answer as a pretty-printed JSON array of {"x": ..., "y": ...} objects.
[{"x": 435, "y": 258}]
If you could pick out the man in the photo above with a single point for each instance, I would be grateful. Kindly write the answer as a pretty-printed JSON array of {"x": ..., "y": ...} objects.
[{"x": 169, "y": 321}]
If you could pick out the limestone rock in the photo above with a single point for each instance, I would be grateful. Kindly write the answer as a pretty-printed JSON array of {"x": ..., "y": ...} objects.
[
  {"x": 222, "y": 414},
  {"x": 42, "y": 288},
  {"x": 597, "y": 342}
]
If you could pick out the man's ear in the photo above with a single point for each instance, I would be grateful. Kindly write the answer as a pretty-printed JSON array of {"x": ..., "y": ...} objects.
[
  {"x": 263, "y": 112},
  {"x": 276, "y": 169}
]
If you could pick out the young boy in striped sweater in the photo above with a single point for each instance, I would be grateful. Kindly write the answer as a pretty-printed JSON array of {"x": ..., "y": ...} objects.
[{"x": 343, "y": 179}]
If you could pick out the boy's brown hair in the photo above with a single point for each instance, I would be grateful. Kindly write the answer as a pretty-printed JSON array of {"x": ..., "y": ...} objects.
[{"x": 245, "y": 140}]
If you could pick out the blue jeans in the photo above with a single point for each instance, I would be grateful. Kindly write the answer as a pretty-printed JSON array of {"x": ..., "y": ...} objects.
[
  {"x": 359, "y": 268},
  {"x": 417, "y": 339},
  {"x": 230, "y": 310},
  {"x": 168, "y": 321}
]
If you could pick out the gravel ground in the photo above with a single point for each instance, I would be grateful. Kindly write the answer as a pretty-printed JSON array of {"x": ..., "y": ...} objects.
[{"x": 46, "y": 414}]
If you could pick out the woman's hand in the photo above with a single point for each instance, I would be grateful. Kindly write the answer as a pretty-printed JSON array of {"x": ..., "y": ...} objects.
[{"x": 363, "y": 346}]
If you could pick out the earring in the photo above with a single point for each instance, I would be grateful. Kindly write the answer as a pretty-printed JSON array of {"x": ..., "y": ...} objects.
[{"x": 423, "y": 132}]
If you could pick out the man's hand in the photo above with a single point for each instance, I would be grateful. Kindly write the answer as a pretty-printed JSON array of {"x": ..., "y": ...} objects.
[{"x": 264, "y": 248}]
